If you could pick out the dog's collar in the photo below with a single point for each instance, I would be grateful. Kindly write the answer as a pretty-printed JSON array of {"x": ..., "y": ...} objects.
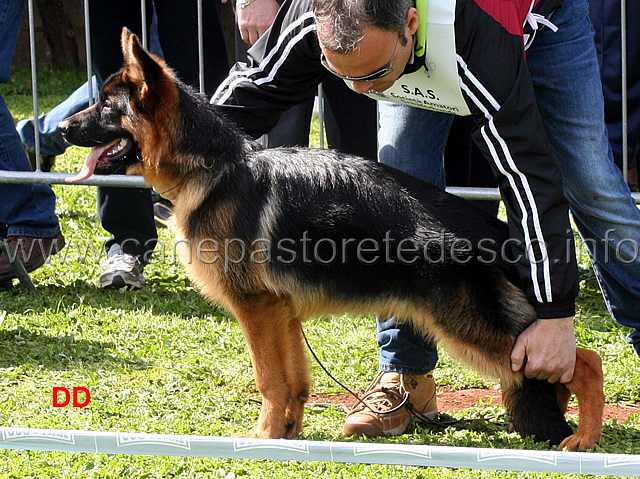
[{"x": 172, "y": 193}]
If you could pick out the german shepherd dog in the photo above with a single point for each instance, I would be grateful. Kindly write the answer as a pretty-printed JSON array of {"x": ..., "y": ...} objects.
[{"x": 279, "y": 235}]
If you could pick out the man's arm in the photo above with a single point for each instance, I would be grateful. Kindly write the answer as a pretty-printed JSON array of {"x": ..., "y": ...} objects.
[
  {"x": 512, "y": 137},
  {"x": 283, "y": 69}
]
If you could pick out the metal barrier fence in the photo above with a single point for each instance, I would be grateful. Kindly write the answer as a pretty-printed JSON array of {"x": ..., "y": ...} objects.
[{"x": 38, "y": 176}]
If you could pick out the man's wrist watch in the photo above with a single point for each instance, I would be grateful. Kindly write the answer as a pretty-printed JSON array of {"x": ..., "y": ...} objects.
[{"x": 243, "y": 3}]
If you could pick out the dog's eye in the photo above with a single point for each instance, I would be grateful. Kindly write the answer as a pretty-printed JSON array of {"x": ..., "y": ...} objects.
[{"x": 107, "y": 104}]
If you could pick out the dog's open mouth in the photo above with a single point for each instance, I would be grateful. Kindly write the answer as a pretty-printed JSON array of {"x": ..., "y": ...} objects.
[{"x": 105, "y": 159}]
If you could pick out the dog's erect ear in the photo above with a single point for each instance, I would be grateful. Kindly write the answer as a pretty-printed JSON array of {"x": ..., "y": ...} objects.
[{"x": 139, "y": 67}]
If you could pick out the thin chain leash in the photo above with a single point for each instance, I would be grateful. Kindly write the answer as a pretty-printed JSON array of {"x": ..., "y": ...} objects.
[{"x": 404, "y": 398}]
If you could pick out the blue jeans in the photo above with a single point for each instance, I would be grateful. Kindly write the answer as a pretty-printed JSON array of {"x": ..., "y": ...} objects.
[
  {"x": 25, "y": 210},
  {"x": 566, "y": 77},
  {"x": 569, "y": 96},
  {"x": 51, "y": 141},
  {"x": 420, "y": 153}
]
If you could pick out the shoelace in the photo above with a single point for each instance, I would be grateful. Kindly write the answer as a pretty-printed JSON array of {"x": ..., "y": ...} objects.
[
  {"x": 403, "y": 395},
  {"x": 121, "y": 259},
  {"x": 380, "y": 401}
]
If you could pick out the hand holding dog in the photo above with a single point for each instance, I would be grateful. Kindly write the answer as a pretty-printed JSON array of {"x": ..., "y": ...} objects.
[{"x": 549, "y": 346}]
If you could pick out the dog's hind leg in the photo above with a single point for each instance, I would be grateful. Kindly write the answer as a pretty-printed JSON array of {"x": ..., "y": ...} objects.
[
  {"x": 267, "y": 326},
  {"x": 587, "y": 385},
  {"x": 534, "y": 410},
  {"x": 537, "y": 407}
]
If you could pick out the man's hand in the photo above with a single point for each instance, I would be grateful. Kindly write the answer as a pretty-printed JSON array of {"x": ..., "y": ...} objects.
[
  {"x": 549, "y": 346},
  {"x": 254, "y": 19}
]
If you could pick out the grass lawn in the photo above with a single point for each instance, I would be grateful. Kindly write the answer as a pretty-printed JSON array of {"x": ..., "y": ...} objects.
[{"x": 163, "y": 360}]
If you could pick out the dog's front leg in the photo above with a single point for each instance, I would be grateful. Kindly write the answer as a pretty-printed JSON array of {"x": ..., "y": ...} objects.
[
  {"x": 298, "y": 378},
  {"x": 587, "y": 385},
  {"x": 279, "y": 365}
]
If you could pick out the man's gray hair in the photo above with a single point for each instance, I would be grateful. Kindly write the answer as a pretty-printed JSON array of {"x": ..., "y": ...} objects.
[{"x": 341, "y": 23}]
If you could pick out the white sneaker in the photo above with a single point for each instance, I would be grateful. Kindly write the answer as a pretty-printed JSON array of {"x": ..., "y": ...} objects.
[{"x": 122, "y": 271}]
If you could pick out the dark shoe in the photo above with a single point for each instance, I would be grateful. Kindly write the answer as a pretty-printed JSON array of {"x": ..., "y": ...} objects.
[
  {"x": 392, "y": 399},
  {"x": 32, "y": 252},
  {"x": 632, "y": 178},
  {"x": 122, "y": 271},
  {"x": 162, "y": 212},
  {"x": 46, "y": 161}
]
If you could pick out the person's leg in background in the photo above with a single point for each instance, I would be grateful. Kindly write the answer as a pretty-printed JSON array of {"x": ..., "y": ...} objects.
[
  {"x": 126, "y": 213},
  {"x": 178, "y": 34},
  {"x": 350, "y": 119},
  {"x": 27, "y": 212},
  {"x": 565, "y": 72},
  {"x": 606, "y": 18},
  {"x": 406, "y": 358},
  {"x": 464, "y": 164},
  {"x": 133, "y": 229}
]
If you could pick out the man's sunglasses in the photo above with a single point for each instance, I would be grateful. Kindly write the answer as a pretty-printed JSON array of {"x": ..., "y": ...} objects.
[{"x": 383, "y": 72}]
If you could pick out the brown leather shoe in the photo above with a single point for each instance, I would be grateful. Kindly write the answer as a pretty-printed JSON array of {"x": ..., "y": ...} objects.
[
  {"x": 391, "y": 400},
  {"x": 32, "y": 252}
]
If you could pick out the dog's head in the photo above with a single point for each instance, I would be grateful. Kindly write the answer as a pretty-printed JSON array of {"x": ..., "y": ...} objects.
[{"x": 129, "y": 120}]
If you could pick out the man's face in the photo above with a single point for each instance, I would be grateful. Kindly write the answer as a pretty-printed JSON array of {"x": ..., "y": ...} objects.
[{"x": 378, "y": 51}]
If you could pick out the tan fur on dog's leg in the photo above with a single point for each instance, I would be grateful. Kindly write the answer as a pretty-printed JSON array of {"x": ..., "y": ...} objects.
[
  {"x": 298, "y": 378},
  {"x": 265, "y": 323},
  {"x": 587, "y": 385}
]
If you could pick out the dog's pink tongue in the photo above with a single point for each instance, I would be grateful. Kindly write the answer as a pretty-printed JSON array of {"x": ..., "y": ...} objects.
[{"x": 90, "y": 163}]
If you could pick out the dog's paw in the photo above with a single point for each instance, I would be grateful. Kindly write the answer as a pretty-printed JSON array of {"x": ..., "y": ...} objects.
[
  {"x": 579, "y": 442},
  {"x": 273, "y": 433},
  {"x": 248, "y": 435}
]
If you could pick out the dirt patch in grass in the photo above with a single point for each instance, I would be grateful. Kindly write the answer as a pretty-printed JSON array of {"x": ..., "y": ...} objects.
[{"x": 450, "y": 401}]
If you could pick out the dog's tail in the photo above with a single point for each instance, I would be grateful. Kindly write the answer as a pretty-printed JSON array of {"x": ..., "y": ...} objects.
[{"x": 535, "y": 411}]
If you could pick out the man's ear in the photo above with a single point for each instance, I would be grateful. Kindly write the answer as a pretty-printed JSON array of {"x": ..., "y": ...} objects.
[
  {"x": 413, "y": 21},
  {"x": 140, "y": 68}
]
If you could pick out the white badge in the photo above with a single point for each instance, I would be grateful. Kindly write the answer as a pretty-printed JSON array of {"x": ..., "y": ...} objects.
[{"x": 436, "y": 87}]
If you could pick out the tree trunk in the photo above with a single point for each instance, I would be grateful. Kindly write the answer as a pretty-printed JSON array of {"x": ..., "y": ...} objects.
[{"x": 59, "y": 34}]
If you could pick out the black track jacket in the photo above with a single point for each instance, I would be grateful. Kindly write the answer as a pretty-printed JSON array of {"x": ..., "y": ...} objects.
[{"x": 284, "y": 69}]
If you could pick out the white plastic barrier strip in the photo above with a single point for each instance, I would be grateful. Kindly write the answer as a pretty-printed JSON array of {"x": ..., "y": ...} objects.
[{"x": 338, "y": 452}]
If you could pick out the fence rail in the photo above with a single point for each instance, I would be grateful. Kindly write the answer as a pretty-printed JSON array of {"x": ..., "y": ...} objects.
[{"x": 132, "y": 181}]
